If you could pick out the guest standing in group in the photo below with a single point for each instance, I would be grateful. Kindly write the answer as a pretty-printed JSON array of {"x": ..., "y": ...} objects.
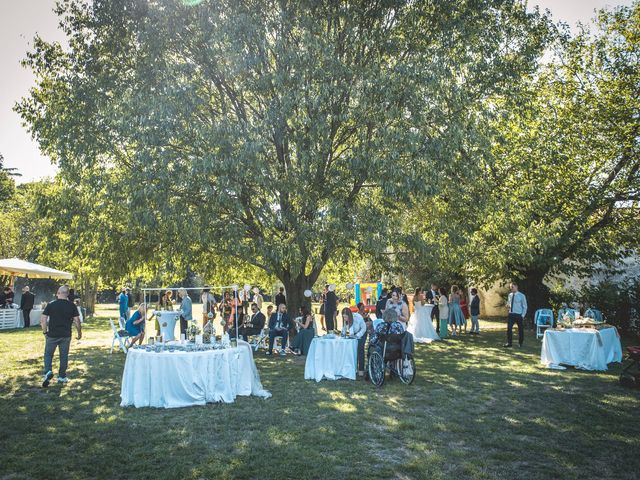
[
  {"x": 72, "y": 295},
  {"x": 186, "y": 310},
  {"x": 330, "y": 309},
  {"x": 26, "y": 305},
  {"x": 517, "y": 305},
  {"x": 353, "y": 324},
  {"x": 123, "y": 304},
  {"x": 280, "y": 299},
  {"x": 464, "y": 307},
  {"x": 56, "y": 321},
  {"x": 456, "y": 319},
  {"x": 135, "y": 325},
  {"x": 209, "y": 302},
  {"x": 279, "y": 325},
  {"x": 401, "y": 308},
  {"x": 381, "y": 304},
  {"x": 475, "y": 311},
  {"x": 257, "y": 298},
  {"x": 165, "y": 303},
  {"x": 432, "y": 297},
  {"x": 443, "y": 312},
  {"x": 323, "y": 300},
  {"x": 306, "y": 331}
]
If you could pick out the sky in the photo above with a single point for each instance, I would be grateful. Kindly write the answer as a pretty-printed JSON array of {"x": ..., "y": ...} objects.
[{"x": 21, "y": 20}]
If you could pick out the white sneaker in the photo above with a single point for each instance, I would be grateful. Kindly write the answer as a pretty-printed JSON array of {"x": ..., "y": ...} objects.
[
  {"x": 63, "y": 380},
  {"x": 47, "y": 378}
]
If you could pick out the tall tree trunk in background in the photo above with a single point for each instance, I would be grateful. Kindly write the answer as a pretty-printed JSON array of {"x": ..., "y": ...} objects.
[{"x": 531, "y": 283}]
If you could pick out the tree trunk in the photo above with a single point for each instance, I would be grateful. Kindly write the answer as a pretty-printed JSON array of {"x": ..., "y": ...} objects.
[
  {"x": 531, "y": 284},
  {"x": 294, "y": 289}
]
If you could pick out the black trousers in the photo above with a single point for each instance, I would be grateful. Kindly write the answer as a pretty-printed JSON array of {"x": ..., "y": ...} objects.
[
  {"x": 245, "y": 332},
  {"x": 25, "y": 314},
  {"x": 515, "y": 318},
  {"x": 361, "y": 343},
  {"x": 183, "y": 325},
  {"x": 329, "y": 320}
]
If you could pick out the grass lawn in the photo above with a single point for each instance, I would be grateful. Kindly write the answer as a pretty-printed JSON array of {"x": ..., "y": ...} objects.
[{"x": 476, "y": 410}]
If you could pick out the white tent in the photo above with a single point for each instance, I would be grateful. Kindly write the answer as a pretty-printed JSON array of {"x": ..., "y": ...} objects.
[{"x": 14, "y": 267}]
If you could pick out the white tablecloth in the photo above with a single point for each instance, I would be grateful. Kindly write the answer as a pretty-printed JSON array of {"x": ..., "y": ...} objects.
[
  {"x": 181, "y": 379},
  {"x": 168, "y": 321},
  {"x": 584, "y": 348},
  {"x": 331, "y": 359}
]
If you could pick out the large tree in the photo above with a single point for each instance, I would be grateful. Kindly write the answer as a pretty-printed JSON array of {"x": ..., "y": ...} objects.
[
  {"x": 284, "y": 133},
  {"x": 560, "y": 192}
]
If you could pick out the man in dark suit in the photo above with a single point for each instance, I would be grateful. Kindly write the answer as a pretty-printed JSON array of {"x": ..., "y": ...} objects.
[
  {"x": 279, "y": 325},
  {"x": 432, "y": 297},
  {"x": 253, "y": 324},
  {"x": 381, "y": 304},
  {"x": 280, "y": 298},
  {"x": 26, "y": 305},
  {"x": 330, "y": 308}
]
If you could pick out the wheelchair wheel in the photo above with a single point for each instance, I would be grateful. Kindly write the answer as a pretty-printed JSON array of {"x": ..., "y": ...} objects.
[
  {"x": 407, "y": 373},
  {"x": 376, "y": 369}
]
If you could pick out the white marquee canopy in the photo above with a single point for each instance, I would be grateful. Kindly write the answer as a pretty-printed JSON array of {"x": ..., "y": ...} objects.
[{"x": 15, "y": 267}]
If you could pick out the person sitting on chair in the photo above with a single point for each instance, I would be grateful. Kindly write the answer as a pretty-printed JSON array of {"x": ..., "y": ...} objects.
[
  {"x": 302, "y": 341},
  {"x": 253, "y": 324},
  {"x": 390, "y": 325},
  {"x": 135, "y": 325},
  {"x": 279, "y": 325},
  {"x": 354, "y": 325}
]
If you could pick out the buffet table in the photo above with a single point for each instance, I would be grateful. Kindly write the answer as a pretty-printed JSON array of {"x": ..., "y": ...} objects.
[
  {"x": 167, "y": 320},
  {"x": 583, "y": 348},
  {"x": 181, "y": 379},
  {"x": 331, "y": 358}
]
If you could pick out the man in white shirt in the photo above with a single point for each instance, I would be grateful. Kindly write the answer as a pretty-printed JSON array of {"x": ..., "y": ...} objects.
[
  {"x": 257, "y": 298},
  {"x": 353, "y": 323},
  {"x": 517, "y": 305}
]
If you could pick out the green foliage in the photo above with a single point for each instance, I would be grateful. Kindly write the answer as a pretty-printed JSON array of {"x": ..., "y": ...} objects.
[{"x": 278, "y": 133}]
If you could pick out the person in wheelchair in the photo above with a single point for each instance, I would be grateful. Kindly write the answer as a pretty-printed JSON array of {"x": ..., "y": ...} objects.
[
  {"x": 391, "y": 345},
  {"x": 391, "y": 324}
]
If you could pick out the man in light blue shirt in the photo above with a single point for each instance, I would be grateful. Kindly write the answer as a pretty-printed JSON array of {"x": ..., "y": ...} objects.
[
  {"x": 123, "y": 304},
  {"x": 517, "y": 305}
]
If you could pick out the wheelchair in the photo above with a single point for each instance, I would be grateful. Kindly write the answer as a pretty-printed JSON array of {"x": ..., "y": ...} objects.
[{"x": 390, "y": 357}]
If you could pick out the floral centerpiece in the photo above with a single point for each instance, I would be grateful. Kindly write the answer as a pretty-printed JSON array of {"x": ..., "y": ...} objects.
[{"x": 192, "y": 331}]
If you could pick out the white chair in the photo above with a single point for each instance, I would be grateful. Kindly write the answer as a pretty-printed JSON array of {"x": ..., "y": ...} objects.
[
  {"x": 543, "y": 318},
  {"x": 123, "y": 339}
]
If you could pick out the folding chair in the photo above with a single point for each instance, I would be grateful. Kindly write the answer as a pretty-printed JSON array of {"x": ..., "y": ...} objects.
[
  {"x": 543, "y": 318},
  {"x": 119, "y": 335},
  {"x": 594, "y": 313},
  {"x": 260, "y": 340},
  {"x": 568, "y": 311}
]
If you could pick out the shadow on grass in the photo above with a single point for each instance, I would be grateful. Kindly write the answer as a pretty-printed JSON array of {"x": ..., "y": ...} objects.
[{"x": 475, "y": 411}]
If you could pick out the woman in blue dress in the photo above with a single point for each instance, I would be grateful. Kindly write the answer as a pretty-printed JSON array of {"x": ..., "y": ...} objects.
[
  {"x": 135, "y": 325},
  {"x": 456, "y": 318}
]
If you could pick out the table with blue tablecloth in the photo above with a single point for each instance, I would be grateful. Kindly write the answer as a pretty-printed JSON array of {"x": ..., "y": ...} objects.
[{"x": 583, "y": 348}]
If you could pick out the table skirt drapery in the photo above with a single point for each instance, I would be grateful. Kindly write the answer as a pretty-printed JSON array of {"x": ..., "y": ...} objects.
[
  {"x": 331, "y": 359},
  {"x": 181, "y": 379},
  {"x": 583, "y": 348}
]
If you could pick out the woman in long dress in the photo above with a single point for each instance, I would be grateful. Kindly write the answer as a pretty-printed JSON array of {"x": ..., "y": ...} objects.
[
  {"x": 456, "y": 319},
  {"x": 420, "y": 324}
]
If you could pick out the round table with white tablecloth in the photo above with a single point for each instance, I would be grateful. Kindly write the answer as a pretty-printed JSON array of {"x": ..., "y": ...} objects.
[
  {"x": 180, "y": 379},
  {"x": 583, "y": 348},
  {"x": 331, "y": 358},
  {"x": 167, "y": 320}
]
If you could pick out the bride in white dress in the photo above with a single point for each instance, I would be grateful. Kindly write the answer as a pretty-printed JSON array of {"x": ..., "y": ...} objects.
[{"x": 420, "y": 324}]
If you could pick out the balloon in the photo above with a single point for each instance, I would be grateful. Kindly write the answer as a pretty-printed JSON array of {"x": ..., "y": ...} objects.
[
  {"x": 223, "y": 322},
  {"x": 349, "y": 286},
  {"x": 247, "y": 287},
  {"x": 209, "y": 315},
  {"x": 308, "y": 293}
]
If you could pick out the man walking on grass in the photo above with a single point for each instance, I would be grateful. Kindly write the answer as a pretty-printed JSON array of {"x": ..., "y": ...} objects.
[
  {"x": 56, "y": 321},
  {"x": 517, "y": 305}
]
